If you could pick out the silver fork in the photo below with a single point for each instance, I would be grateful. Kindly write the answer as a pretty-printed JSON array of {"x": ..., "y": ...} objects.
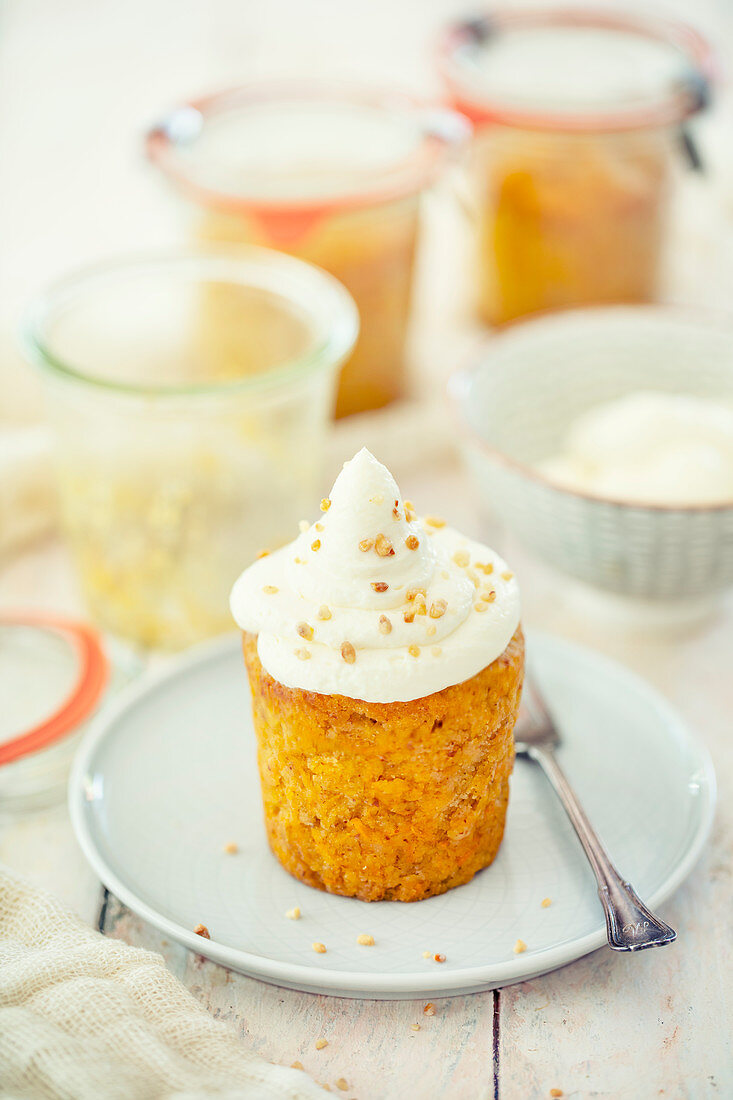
[{"x": 630, "y": 926}]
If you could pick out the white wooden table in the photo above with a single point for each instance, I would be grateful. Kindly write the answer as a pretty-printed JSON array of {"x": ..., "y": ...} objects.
[
  {"x": 78, "y": 83},
  {"x": 612, "y": 1026}
]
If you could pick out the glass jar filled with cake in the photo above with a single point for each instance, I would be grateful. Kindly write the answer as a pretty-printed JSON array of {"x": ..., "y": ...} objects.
[
  {"x": 179, "y": 446},
  {"x": 579, "y": 118},
  {"x": 329, "y": 175}
]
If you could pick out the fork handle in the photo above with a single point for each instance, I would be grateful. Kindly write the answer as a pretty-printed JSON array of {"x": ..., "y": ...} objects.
[{"x": 630, "y": 926}]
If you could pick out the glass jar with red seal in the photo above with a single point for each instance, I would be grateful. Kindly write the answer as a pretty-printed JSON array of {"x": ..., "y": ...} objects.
[
  {"x": 580, "y": 119},
  {"x": 333, "y": 175},
  {"x": 53, "y": 675}
]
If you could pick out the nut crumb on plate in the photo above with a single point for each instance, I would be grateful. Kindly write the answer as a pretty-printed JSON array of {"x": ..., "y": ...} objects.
[
  {"x": 519, "y": 947},
  {"x": 556, "y": 1092},
  {"x": 296, "y": 1065},
  {"x": 439, "y": 958},
  {"x": 231, "y": 848},
  {"x": 342, "y": 1084},
  {"x": 429, "y": 1009},
  {"x": 202, "y": 930},
  {"x": 319, "y": 948},
  {"x": 294, "y": 913},
  {"x": 546, "y": 903},
  {"x": 321, "y": 1043},
  {"x": 365, "y": 940},
  {"x": 414, "y": 1027}
]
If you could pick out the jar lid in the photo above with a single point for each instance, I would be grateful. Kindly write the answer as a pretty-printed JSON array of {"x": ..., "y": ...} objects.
[
  {"x": 294, "y": 150},
  {"x": 575, "y": 69},
  {"x": 52, "y": 674}
]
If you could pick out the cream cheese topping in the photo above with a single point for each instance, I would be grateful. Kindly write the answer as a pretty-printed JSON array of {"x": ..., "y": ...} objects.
[{"x": 372, "y": 603}]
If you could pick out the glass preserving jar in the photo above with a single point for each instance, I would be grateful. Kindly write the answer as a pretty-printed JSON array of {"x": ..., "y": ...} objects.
[
  {"x": 329, "y": 175},
  {"x": 578, "y": 119},
  {"x": 183, "y": 450}
]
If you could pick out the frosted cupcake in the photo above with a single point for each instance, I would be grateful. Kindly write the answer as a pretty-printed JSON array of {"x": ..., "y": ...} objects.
[{"x": 385, "y": 658}]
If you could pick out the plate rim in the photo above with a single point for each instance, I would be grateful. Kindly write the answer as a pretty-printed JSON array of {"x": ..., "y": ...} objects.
[{"x": 351, "y": 982}]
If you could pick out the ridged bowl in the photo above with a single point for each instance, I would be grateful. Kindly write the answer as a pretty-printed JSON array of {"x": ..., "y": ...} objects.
[{"x": 516, "y": 403}]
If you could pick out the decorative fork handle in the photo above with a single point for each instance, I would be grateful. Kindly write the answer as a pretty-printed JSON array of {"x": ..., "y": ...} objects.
[{"x": 630, "y": 926}]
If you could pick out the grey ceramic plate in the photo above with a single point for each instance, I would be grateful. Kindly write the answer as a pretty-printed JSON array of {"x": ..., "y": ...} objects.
[{"x": 167, "y": 776}]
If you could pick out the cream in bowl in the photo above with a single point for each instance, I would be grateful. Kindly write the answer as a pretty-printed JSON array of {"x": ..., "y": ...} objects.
[
  {"x": 650, "y": 448},
  {"x": 602, "y": 439}
]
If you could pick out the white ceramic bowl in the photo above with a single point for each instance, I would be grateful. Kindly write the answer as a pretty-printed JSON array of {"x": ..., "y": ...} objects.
[{"x": 516, "y": 404}]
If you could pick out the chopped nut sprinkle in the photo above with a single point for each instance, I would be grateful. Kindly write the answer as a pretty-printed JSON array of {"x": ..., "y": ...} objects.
[
  {"x": 325, "y": 504},
  {"x": 299, "y": 561},
  {"x": 324, "y": 612},
  {"x": 473, "y": 577},
  {"x": 366, "y": 545},
  {"x": 485, "y": 567},
  {"x": 519, "y": 947},
  {"x": 436, "y": 651},
  {"x": 385, "y": 626},
  {"x": 319, "y": 948},
  {"x": 270, "y": 589},
  {"x": 348, "y": 652},
  {"x": 438, "y": 609},
  {"x": 413, "y": 592},
  {"x": 321, "y": 1043},
  {"x": 318, "y": 526},
  {"x": 365, "y": 940},
  {"x": 462, "y": 557},
  {"x": 294, "y": 913},
  {"x": 439, "y": 958},
  {"x": 409, "y": 616},
  {"x": 263, "y": 554},
  {"x": 430, "y": 630},
  {"x": 383, "y": 546},
  {"x": 303, "y": 654},
  {"x": 414, "y": 1027},
  {"x": 296, "y": 1065},
  {"x": 342, "y": 1084},
  {"x": 434, "y": 521},
  {"x": 396, "y": 513},
  {"x": 305, "y": 630},
  {"x": 303, "y": 524},
  {"x": 414, "y": 650},
  {"x": 426, "y": 954},
  {"x": 555, "y": 1093},
  {"x": 491, "y": 596},
  {"x": 429, "y": 1009},
  {"x": 412, "y": 542},
  {"x": 507, "y": 575},
  {"x": 316, "y": 545},
  {"x": 480, "y": 606},
  {"x": 231, "y": 848},
  {"x": 409, "y": 504},
  {"x": 546, "y": 903},
  {"x": 380, "y": 586},
  {"x": 202, "y": 930}
]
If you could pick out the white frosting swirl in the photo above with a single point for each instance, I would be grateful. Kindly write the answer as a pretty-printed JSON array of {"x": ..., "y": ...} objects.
[{"x": 372, "y": 603}]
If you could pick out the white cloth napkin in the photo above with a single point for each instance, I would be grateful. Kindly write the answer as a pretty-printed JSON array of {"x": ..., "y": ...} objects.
[{"x": 83, "y": 1017}]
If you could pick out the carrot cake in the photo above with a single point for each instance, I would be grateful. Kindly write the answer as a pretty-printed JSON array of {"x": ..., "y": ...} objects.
[{"x": 385, "y": 658}]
